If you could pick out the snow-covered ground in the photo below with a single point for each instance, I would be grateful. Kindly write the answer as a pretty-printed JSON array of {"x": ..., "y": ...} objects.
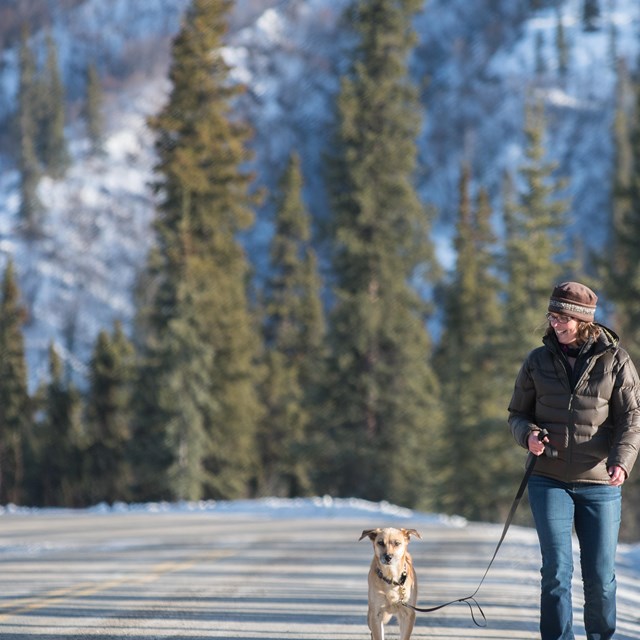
[
  {"x": 320, "y": 507},
  {"x": 264, "y": 570}
]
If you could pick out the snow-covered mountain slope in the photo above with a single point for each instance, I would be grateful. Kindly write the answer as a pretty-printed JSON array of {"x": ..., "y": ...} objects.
[{"x": 476, "y": 69}]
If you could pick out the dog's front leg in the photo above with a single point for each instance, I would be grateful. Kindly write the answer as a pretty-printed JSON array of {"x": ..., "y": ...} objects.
[
  {"x": 376, "y": 625},
  {"x": 406, "y": 623}
]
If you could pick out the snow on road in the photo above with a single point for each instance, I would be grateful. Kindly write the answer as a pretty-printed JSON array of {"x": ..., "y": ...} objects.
[{"x": 262, "y": 570}]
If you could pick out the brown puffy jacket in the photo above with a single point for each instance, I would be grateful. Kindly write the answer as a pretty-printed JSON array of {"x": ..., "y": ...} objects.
[{"x": 593, "y": 420}]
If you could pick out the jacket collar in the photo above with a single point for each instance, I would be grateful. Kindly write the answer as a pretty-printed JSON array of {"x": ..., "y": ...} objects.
[{"x": 608, "y": 339}]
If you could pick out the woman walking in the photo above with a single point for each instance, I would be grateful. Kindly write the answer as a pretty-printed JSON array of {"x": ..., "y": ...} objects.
[{"x": 583, "y": 388}]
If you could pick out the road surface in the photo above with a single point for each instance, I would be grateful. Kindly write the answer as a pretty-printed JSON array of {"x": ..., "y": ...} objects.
[{"x": 206, "y": 574}]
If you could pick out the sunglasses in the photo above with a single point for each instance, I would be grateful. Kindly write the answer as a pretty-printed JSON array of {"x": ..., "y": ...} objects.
[{"x": 552, "y": 317}]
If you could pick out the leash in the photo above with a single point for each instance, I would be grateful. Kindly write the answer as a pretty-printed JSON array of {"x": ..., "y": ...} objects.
[{"x": 468, "y": 600}]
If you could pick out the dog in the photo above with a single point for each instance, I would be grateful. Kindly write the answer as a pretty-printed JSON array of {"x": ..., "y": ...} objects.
[{"x": 392, "y": 581}]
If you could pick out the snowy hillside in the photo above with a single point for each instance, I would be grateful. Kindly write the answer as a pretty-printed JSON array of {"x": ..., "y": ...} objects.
[{"x": 475, "y": 70}]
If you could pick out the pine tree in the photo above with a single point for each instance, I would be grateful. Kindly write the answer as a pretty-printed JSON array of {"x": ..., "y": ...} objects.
[
  {"x": 198, "y": 408},
  {"x": 59, "y": 438},
  {"x": 468, "y": 364},
  {"x": 591, "y": 15},
  {"x": 562, "y": 46},
  {"x": 540, "y": 57},
  {"x": 382, "y": 389},
  {"x": 294, "y": 331},
  {"x": 55, "y": 155},
  {"x": 536, "y": 257},
  {"x": 106, "y": 472},
  {"x": 15, "y": 403},
  {"x": 620, "y": 259},
  {"x": 619, "y": 263},
  {"x": 30, "y": 205},
  {"x": 93, "y": 109}
]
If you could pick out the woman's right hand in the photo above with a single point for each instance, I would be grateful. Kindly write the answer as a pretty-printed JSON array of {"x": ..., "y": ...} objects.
[{"x": 535, "y": 445}]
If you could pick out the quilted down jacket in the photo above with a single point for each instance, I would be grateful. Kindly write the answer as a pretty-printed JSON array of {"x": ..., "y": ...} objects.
[{"x": 592, "y": 415}]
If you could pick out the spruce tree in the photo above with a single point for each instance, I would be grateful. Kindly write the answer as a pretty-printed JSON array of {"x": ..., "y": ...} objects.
[
  {"x": 198, "y": 409},
  {"x": 562, "y": 45},
  {"x": 55, "y": 155},
  {"x": 620, "y": 267},
  {"x": 613, "y": 45},
  {"x": 620, "y": 259},
  {"x": 468, "y": 364},
  {"x": 382, "y": 389},
  {"x": 15, "y": 404},
  {"x": 535, "y": 259},
  {"x": 540, "y": 57},
  {"x": 93, "y": 109},
  {"x": 59, "y": 438},
  {"x": 106, "y": 472},
  {"x": 294, "y": 331},
  {"x": 591, "y": 15},
  {"x": 27, "y": 120},
  {"x": 536, "y": 217}
]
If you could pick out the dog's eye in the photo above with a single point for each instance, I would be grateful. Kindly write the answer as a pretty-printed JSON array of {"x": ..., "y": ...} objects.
[
  {"x": 396, "y": 543},
  {"x": 381, "y": 543}
]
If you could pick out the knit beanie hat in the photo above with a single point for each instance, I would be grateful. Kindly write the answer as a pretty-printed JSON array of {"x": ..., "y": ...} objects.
[{"x": 575, "y": 300}]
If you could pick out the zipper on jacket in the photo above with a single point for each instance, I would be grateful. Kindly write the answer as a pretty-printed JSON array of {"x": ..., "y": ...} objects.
[{"x": 571, "y": 429}]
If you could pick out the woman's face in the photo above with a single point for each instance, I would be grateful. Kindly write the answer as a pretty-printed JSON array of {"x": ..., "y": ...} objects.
[{"x": 565, "y": 327}]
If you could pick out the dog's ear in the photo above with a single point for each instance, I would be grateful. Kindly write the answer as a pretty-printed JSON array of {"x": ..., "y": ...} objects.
[
  {"x": 369, "y": 533},
  {"x": 411, "y": 532}
]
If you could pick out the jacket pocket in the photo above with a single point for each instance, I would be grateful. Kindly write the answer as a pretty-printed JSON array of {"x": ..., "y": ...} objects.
[{"x": 595, "y": 445}]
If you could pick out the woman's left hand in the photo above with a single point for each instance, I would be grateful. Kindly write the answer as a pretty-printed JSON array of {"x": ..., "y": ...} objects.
[{"x": 617, "y": 475}]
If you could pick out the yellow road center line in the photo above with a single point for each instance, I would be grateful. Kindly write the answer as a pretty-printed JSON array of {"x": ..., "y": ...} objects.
[{"x": 84, "y": 589}]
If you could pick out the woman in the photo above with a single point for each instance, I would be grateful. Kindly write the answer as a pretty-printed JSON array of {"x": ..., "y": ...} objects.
[{"x": 583, "y": 389}]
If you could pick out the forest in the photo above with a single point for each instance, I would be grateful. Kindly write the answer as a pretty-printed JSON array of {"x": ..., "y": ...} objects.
[{"x": 324, "y": 376}]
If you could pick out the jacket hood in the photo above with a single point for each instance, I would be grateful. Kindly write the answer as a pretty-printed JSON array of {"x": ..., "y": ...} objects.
[{"x": 612, "y": 336}]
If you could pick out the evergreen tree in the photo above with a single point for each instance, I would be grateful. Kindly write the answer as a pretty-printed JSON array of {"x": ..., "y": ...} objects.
[
  {"x": 106, "y": 470},
  {"x": 620, "y": 259},
  {"x": 294, "y": 331},
  {"x": 59, "y": 439},
  {"x": 540, "y": 58},
  {"x": 562, "y": 46},
  {"x": 613, "y": 45},
  {"x": 591, "y": 15},
  {"x": 197, "y": 407},
  {"x": 535, "y": 224},
  {"x": 535, "y": 259},
  {"x": 30, "y": 206},
  {"x": 382, "y": 389},
  {"x": 55, "y": 155},
  {"x": 15, "y": 404},
  {"x": 619, "y": 263},
  {"x": 93, "y": 109},
  {"x": 467, "y": 361}
]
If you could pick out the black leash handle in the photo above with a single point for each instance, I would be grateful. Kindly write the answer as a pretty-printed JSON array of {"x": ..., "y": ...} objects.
[{"x": 531, "y": 462}]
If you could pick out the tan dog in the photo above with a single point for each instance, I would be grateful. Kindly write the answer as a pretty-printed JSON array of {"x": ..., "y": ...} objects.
[{"x": 392, "y": 581}]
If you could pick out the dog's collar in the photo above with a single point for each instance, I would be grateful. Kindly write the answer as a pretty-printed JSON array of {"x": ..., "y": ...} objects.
[{"x": 395, "y": 583}]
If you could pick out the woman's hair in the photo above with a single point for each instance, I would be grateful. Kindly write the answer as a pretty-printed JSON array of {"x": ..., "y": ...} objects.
[{"x": 586, "y": 330}]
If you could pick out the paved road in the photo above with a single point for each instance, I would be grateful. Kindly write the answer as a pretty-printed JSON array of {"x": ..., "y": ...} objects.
[{"x": 215, "y": 575}]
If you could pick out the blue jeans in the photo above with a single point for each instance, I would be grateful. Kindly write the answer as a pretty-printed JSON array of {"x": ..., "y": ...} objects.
[{"x": 595, "y": 511}]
